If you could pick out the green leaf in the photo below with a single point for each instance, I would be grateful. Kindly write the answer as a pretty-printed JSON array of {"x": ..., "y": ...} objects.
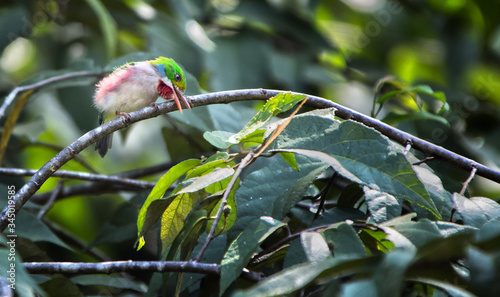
[
  {"x": 172, "y": 220},
  {"x": 358, "y": 153},
  {"x": 25, "y": 284},
  {"x": 451, "y": 289},
  {"x": 30, "y": 227},
  {"x": 389, "y": 276},
  {"x": 201, "y": 182},
  {"x": 394, "y": 118},
  {"x": 315, "y": 246},
  {"x": 108, "y": 26},
  {"x": 275, "y": 105},
  {"x": 290, "y": 159},
  {"x": 241, "y": 249},
  {"x": 295, "y": 193},
  {"x": 419, "y": 233},
  {"x": 476, "y": 211},
  {"x": 228, "y": 222},
  {"x": 382, "y": 206},
  {"x": 260, "y": 189},
  {"x": 346, "y": 242},
  {"x": 109, "y": 281},
  {"x": 287, "y": 281},
  {"x": 219, "y": 139},
  {"x": 161, "y": 187}
]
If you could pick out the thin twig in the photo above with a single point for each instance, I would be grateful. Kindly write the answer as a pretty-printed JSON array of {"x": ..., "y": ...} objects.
[
  {"x": 84, "y": 189},
  {"x": 324, "y": 193},
  {"x": 52, "y": 199},
  {"x": 424, "y": 161},
  {"x": 469, "y": 179},
  {"x": 12, "y": 95},
  {"x": 223, "y": 203},
  {"x": 82, "y": 176}
]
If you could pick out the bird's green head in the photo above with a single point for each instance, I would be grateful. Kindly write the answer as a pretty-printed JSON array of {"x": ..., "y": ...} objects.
[{"x": 167, "y": 67}]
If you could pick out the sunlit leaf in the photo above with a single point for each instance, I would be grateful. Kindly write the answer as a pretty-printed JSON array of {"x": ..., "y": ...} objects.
[
  {"x": 172, "y": 220},
  {"x": 162, "y": 186},
  {"x": 476, "y": 211},
  {"x": 315, "y": 246}
]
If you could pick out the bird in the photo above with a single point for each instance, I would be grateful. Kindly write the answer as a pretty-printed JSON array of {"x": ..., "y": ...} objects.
[{"x": 135, "y": 85}]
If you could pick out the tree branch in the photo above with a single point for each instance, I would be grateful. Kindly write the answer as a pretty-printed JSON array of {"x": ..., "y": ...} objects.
[
  {"x": 227, "y": 97},
  {"x": 120, "y": 266},
  {"x": 83, "y": 176},
  {"x": 131, "y": 267},
  {"x": 12, "y": 95}
]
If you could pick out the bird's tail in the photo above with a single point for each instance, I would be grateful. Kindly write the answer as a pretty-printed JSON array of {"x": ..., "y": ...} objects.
[{"x": 104, "y": 144}]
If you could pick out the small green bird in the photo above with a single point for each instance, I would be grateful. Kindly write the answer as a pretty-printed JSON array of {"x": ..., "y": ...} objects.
[{"x": 136, "y": 85}]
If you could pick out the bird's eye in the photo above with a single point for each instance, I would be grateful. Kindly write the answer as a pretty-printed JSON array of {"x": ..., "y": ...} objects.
[{"x": 177, "y": 77}]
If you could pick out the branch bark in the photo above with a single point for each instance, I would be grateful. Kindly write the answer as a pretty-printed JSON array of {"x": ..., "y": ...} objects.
[
  {"x": 223, "y": 98},
  {"x": 131, "y": 267}
]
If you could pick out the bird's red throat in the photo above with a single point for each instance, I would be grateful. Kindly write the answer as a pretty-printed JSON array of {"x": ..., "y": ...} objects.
[{"x": 165, "y": 91}]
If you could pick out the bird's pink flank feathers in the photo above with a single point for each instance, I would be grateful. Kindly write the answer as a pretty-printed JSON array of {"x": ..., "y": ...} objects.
[{"x": 111, "y": 83}]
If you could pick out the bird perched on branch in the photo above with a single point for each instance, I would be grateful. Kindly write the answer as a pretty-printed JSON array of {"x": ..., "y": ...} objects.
[{"x": 136, "y": 85}]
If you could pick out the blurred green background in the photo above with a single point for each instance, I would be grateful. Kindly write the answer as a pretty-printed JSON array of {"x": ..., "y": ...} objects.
[{"x": 347, "y": 51}]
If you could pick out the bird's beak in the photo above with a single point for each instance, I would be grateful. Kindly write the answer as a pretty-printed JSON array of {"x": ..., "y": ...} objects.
[{"x": 178, "y": 94}]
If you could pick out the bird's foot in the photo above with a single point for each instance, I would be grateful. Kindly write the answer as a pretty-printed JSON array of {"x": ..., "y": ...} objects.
[
  {"x": 124, "y": 116},
  {"x": 155, "y": 106}
]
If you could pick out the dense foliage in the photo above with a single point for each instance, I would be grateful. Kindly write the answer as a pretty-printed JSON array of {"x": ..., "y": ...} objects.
[{"x": 307, "y": 204}]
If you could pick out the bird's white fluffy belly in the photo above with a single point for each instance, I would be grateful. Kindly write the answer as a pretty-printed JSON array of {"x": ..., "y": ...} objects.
[{"x": 137, "y": 92}]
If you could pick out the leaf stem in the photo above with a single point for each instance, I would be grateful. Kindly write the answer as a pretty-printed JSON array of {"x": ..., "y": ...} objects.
[{"x": 223, "y": 203}]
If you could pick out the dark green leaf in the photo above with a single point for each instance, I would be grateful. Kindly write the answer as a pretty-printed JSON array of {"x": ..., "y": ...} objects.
[
  {"x": 389, "y": 276},
  {"x": 241, "y": 249},
  {"x": 476, "y": 211},
  {"x": 345, "y": 241},
  {"x": 382, "y": 206},
  {"x": 109, "y": 281},
  {"x": 358, "y": 153},
  {"x": 30, "y": 227}
]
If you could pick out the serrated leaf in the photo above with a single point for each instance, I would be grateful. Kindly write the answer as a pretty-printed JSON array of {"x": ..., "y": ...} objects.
[
  {"x": 476, "y": 211},
  {"x": 241, "y": 249},
  {"x": 175, "y": 214},
  {"x": 161, "y": 187},
  {"x": 358, "y": 153}
]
